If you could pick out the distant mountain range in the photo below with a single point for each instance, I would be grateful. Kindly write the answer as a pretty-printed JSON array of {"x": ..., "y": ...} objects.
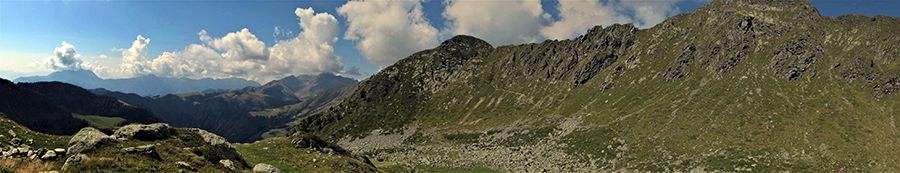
[
  {"x": 243, "y": 115},
  {"x": 148, "y": 85}
]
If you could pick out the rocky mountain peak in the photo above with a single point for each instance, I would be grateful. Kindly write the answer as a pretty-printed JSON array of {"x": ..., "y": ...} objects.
[{"x": 465, "y": 41}]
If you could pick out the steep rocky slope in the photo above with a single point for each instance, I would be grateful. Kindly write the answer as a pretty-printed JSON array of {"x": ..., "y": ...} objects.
[
  {"x": 35, "y": 111},
  {"x": 736, "y": 85}
]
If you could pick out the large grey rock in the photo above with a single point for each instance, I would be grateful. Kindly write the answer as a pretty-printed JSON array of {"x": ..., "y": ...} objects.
[
  {"x": 144, "y": 132},
  {"x": 228, "y": 164},
  {"x": 265, "y": 168},
  {"x": 74, "y": 159},
  {"x": 221, "y": 145},
  {"x": 49, "y": 155},
  {"x": 146, "y": 150},
  {"x": 87, "y": 139}
]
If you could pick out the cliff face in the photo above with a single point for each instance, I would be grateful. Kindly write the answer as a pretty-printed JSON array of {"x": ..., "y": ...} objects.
[{"x": 736, "y": 85}]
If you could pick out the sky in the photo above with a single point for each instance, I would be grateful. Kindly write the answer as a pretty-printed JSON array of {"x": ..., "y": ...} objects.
[{"x": 267, "y": 40}]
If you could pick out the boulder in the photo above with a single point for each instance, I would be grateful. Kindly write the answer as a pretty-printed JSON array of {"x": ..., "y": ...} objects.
[
  {"x": 146, "y": 150},
  {"x": 144, "y": 132},
  {"x": 15, "y": 141},
  {"x": 12, "y": 133},
  {"x": 228, "y": 164},
  {"x": 59, "y": 150},
  {"x": 220, "y": 144},
  {"x": 10, "y": 153},
  {"x": 265, "y": 168},
  {"x": 74, "y": 159},
  {"x": 328, "y": 151},
  {"x": 87, "y": 139},
  {"x": 50, "y": 155}
]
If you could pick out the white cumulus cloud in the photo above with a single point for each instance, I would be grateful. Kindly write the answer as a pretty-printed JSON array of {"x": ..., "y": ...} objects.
[
  {"x": 134, "y": 59},
  {"x": 241, "y": 54},
  {"x": 525, "y": 21},
  {"x": 65, "y": 58},
  {"x": 579, "y": 16},
  {"x": 241, "y": 45},
  {"x": 649, "y": 13},
  {"x": 387, "y": 31},
  {"x": 497, "y": 22}
]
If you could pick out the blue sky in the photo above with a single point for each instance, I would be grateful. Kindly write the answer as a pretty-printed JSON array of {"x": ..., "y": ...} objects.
[{"x": 365, "y": 36}]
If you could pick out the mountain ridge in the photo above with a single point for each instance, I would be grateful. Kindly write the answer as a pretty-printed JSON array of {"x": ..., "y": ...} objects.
[
  {"x": 739, "y": 85},
  {"x": 148, "y": 85}
]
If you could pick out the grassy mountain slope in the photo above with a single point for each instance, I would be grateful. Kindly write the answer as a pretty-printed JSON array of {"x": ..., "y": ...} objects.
[
  {"x": 184, "y": 146},
  {"x": 35, "y": 111},
  {"x": 40, "y": 140},
  {"x": 736, "y": 85},
  {"x": 81, "y": 101}
]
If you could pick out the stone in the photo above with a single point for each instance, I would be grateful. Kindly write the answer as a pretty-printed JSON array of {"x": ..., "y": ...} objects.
[
  {"x": 29, "y": 141},
  {"x": 15, "y": 141},
  {"x": 12, "y": 133},
  {"x": 59, "y": 150},
  {"x": 146, "y": 150},
  {"x": 144, "y": 132},
  {"x": 87, "y": 139},
  {"x": 228, "y": 164},
  {"x": 74, "y": 159},
  {"x": 265, "y": 168},
  {"x": 328, "y": 151},
  {"x": 49, "y": 156},
  {"x": 220, "y": 144},
  {"x": 184, "y": 165}
]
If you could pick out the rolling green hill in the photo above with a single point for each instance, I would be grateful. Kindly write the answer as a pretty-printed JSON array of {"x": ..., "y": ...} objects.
[{"x": 736, "y": 85}]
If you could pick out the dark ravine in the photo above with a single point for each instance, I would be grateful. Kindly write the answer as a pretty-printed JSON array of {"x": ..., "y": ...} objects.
[{"x": 736, "y": 85}]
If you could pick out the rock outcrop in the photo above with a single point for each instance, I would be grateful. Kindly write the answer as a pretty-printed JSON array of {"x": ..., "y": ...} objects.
[
  {"x": 146, "y": 150},
  {"x": 87, "y": 139},
  {"x": 73, "y": 160},
  {"x": 229, "y": 165},
  {"x": 265, "y": 168},
  {"x": 144, "y": 132},
  {"x": 221, "y": 145}
]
